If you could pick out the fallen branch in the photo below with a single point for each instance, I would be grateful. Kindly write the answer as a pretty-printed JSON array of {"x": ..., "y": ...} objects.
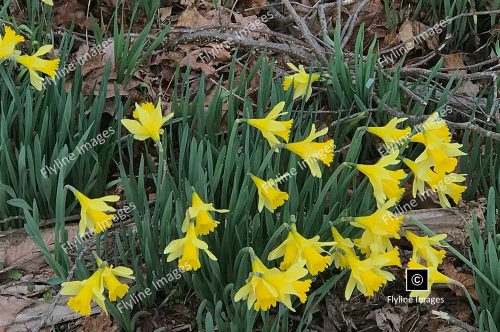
[
  {"x": 452, "y": 320},
  {"x": 306, "y": 33},
  {"x": 217, "y": 36}
]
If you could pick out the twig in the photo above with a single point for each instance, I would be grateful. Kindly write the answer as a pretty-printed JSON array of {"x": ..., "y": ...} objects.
[
  {"x": 277, "y": 16},
  {"x": 351, "y": 23},
  {"x": 415, "y": 72},
  {"x": 405, "y": 89},
  {"x": 432, "y": 28},
  {"x": 339, "y": 13},
  {"x": 447, "y": 317},
  {"x": 214, "y": 36},
  {"x": 322, "y": 20},
  {"x": 306, "y": 33},
  {"x": 474, "y": 66},
  {"x": 44, "y": 222},
  {"x": 494, "y": 107},
  {"x": 58, "y": 296}
]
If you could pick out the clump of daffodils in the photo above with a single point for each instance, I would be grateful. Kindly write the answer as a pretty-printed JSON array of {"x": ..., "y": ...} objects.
[
  {"x": 301, "y": 256},
  {"x": 34, "y": 63},
  {"x": 434, "y": 166},
  {"x": 83, "y": 292}
]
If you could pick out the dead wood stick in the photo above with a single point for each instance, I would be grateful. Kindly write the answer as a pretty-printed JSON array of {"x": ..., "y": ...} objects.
[
  {"x": 216, "y": 36},
  {"x": 351, "y": 23},
  {"x": 306, "y": 33},
  {"x": 455, "y": 321}
]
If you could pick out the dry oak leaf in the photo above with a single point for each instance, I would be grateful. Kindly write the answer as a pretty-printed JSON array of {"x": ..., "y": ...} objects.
[
  {"x": 457, "y": 60},
  {"x": 191, "y": 18},
  {"x": 406, "y": 35},
  {"x": 466, "y": 279}
]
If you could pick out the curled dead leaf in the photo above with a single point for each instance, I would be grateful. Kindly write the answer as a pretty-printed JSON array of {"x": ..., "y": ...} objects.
[{"x": 466, "y": 279}]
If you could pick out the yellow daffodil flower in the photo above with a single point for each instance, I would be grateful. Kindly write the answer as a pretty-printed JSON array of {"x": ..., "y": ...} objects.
[
  {"x": 265, "y": 287},
  {"x": 420, "y": 174},
  {"x": 301, "y": 80},
  {"x": 373, "y": 244},
  {"x": 390, "y": 134},
  {"x": 343, "y": 247},
  {"x": 270, "y": 127},
  {"x": 380, "y": 227},
  {"x": 84, "y": 292},
  {"x": 389, "y": 258},
  {"x": 445, "y": 184},
  {"x": 287, "y": 282},
  {"x": 8, "y": 44},
  {"x": 292, "y": 285},
  {"x": 298, "y": 249},
  {"x": 367, "y": 275},
  {"x": 435, "y": 126},
  {"x": 94, "y": 212},
  {"x": 35, "y": 64},
  {"x": 259, "y": 291},
  {"x": 149, "y": 122},
  {"x": 364, "y": 276},
  {"x": 441, "y": 155},
  {"x": 199, "y": 211},
  {"x": 385, "y": 182},
  {"x": 436, "y": 137},
  {"x": 188, "y": 249},
  {"x": 115, "y": 288},
  {"x": 269, "y": 194},
  {"x": 435, "y": 277},
  {"x": 312, "y": 152},
  {"x": 423, "y": 248}
]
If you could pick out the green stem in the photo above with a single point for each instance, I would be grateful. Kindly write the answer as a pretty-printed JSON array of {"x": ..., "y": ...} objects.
[{"x": 469, "y": 298}]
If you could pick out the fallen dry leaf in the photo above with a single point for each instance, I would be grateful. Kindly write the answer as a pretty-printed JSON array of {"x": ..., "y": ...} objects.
[
  {"x": 406, "y": 34},
  {"x": 386, "y": 319},
  {"x": 99, "y": 323},
  {"x": 191, "y": 18},
  {"x": 9, "y": 308},
  {"x": 16, "y": 248},
  {"x": 165, "y": 13},
  {"x": 466, "y": 279},
  {"x": 423, "y": 34},
  {"x": 71, "y": 11},
  {"x": 454, "y": 60}
]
